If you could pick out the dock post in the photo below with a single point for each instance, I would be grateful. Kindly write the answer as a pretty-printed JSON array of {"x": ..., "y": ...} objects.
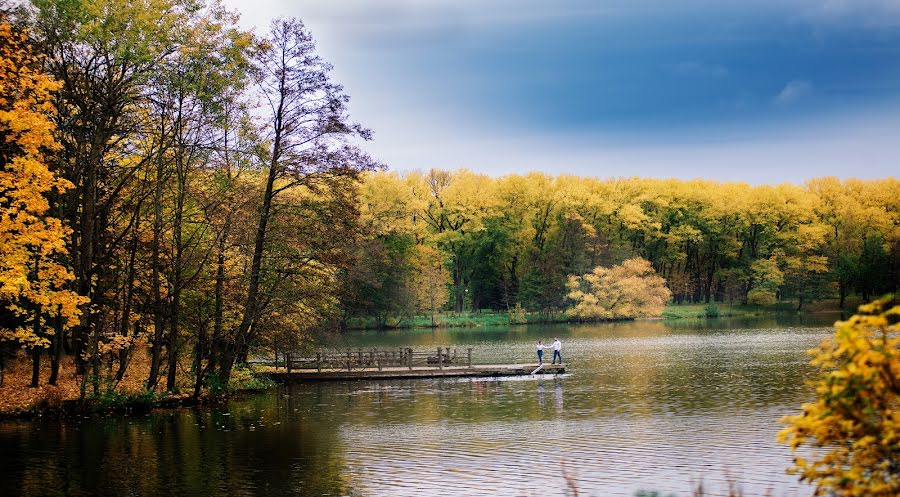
[
  {"x": 349, "y": 359},
  {"x": 359, "y": 352},
  {"x": 440, "y": 358},
  {"x": 287, "y": 362},
  {"x": 470, "y": 357},
  {"x": 319, "y": 362},
  {"x": 409, "y": 357}
]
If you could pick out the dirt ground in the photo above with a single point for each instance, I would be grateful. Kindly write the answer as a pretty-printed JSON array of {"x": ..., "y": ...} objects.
[{"x": 17, "y": 395}]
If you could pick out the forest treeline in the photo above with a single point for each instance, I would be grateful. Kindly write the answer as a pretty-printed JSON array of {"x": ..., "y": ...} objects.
[
  {"x": 465, "y": 241},
  {"x": 175, "y": 186}
]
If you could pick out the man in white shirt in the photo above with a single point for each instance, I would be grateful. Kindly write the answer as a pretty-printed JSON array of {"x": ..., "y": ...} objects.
[{"x": 556, "y": 350}]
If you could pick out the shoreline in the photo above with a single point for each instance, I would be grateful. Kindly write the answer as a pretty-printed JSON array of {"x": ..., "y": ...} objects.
[
  {"x": 20, "y": 401},
  {"x": 671, "y": 313},
  {"x": 129, "y": 406}
]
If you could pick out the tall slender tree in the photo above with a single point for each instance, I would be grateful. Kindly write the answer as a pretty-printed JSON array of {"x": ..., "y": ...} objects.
[{"x": 310, "y": 148}]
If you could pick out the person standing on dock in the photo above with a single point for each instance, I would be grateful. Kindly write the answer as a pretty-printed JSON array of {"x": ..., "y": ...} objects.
[
  {"x": 540, "y": 351},
  {"x": 557, "y": 346}
]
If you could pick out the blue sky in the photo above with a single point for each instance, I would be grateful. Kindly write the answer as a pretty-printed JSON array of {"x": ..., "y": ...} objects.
[{"x": 760, "y": 91}]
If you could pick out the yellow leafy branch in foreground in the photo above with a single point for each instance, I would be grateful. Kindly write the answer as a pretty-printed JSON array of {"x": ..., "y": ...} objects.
[{"x": 853, "y": 426}]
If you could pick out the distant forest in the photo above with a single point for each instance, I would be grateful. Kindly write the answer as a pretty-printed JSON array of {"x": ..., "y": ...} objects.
[{"x": 462, "y": 241}]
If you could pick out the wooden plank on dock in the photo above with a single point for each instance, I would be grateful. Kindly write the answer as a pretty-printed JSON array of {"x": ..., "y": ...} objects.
[{"x": 396, "y": 373}]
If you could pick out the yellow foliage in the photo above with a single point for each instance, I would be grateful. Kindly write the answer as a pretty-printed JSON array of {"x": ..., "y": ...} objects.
[
  {"x": 32, "y": 282},
  {"x": 452, "y": 203},
  {"x": 430, "y": 280},
  {"x": 629, "y": 290},
  {"x": 854, "y": 423},
  {"x": 385, "y": 201}
]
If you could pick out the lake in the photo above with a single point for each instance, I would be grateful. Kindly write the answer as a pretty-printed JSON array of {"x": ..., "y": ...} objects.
[{"x": 646, "y": 405}]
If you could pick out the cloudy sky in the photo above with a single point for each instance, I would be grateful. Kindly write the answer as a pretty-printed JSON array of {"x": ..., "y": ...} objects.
[{"x": 753, "y": 90}]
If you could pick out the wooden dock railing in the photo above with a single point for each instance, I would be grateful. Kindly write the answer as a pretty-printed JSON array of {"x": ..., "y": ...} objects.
[{"x": 359, "y": 358}]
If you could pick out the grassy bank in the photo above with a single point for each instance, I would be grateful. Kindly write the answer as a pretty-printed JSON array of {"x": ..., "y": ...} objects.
[
  {"x": 451, "y": 320},
  {"x": 683, "y": 311},
  {"x": 672, "y": 311},
  {"x": 19, "y": 399}
]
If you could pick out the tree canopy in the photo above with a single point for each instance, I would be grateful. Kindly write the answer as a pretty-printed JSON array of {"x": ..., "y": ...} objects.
[{"x": 515, "y": 240}]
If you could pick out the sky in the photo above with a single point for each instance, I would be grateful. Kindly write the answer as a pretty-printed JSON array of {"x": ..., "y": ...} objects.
[{"x": 761, "y": 91}]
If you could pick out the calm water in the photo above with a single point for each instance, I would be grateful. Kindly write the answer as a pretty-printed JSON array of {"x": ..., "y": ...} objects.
[{"x": 647, "y": 405}]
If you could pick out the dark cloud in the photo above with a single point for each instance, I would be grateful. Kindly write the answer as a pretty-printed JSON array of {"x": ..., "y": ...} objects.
[{"x": 639, "y": 73}]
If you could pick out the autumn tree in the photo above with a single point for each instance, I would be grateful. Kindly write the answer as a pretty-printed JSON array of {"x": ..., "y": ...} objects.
[
  {"x": 862, "y": 239},
  {"x": 453, "y": 207},
  {"x": 629, "y": 290},
  {"x": 35, "y": 304},
  {"x": 853, "y": 425},
  {"x": 103, "y": 52},
  {"x": 430, "y": 281},
  {"x": 378, "y": 282},
  {"x": 308, "y": 133},
  {"x": 190, "y": 98}
]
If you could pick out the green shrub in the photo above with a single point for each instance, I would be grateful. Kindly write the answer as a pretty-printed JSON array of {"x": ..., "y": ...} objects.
[
  {"x": 243, "y": 378},
  {"x": 113, "y": 400},
  {"x": 215, "y": 384},
  {"x": 712, "y": 311}
]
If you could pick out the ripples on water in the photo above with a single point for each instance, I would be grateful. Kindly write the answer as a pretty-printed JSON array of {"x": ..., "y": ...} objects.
[{"x": 646, "y": 405}]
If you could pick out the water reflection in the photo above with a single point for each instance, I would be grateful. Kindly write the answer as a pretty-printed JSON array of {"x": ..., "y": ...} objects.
[{"x": 648, "y": 405}]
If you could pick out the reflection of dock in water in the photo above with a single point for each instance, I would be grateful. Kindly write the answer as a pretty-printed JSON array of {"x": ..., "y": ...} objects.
[{"x": 400, "y": 363}]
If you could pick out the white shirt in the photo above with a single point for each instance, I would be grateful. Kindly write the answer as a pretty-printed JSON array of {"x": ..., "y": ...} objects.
[
  {"x": 540, "y": 346},
  {"x": 557, "y": 345}
]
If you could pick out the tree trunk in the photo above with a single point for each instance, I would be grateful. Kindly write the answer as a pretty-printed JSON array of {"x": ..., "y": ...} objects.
[
  {"x": 176, "y": 277},
  {"x": 86, "y": 253},
  {"x": 158, "y": 323},
  {"x": 129, "y": 291},
  {"x": 459, "y": 296},
  {"x": 243, "y": 353},
  {"x": 95, "y": 362},
  {"x": 56, "y": 349},
  {"x": 251, "y": 309},
  {"x": 199, "y": 371},
  {"x": 842, "y": 291},
  {"x": 35, "y": 367},
  {"x": 35, "y": 350},
  {"x": 216, "y": 345}
]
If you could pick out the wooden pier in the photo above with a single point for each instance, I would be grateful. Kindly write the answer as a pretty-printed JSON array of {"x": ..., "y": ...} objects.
[
  {"x": 418, "y": 372},
  {"x": 399, "y": 363}
]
